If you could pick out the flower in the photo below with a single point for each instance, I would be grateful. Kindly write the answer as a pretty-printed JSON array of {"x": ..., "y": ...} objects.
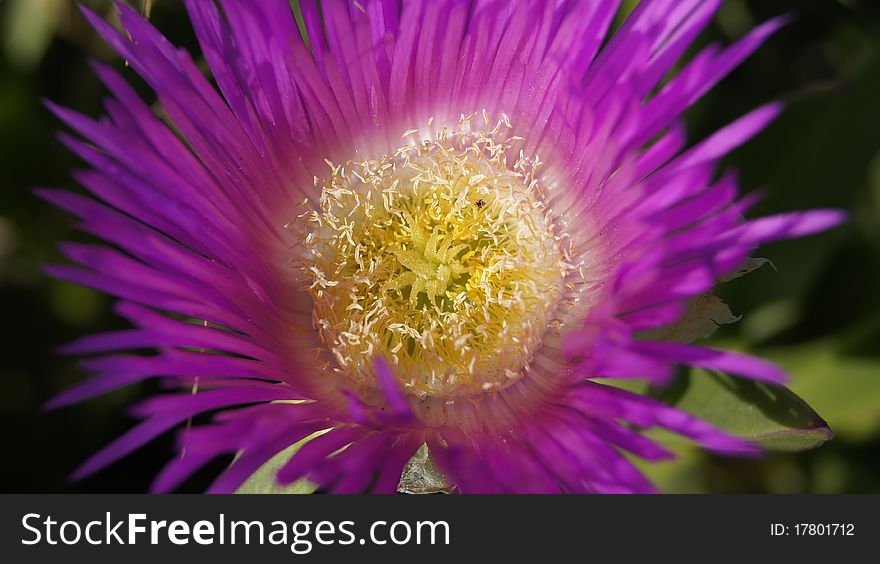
[{"x": 397, "y": 233}]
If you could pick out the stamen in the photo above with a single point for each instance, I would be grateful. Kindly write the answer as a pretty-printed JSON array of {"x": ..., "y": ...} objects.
[{"x": 441, "y": 257}]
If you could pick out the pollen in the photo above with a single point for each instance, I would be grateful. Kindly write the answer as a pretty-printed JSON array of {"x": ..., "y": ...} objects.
[{"x": 442, "y": 257}]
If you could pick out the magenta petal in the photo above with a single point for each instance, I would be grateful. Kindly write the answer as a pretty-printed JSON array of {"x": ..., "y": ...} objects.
[
  {"x": 730, "y": 137},
  {"x": 789, "y": 225},
  {"x": 710, "y": 359},
  {"x": 316, "y": 451}
]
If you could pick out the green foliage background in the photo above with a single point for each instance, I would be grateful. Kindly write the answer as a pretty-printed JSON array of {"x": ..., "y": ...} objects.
[{"x": 816, "y": 311}]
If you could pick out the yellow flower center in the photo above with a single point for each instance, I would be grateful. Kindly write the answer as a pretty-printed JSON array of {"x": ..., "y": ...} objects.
[{"x": 441, "y": 258}]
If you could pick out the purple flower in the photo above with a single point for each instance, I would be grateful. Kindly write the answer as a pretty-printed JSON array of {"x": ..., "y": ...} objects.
[{"x": 429, "y": 223}]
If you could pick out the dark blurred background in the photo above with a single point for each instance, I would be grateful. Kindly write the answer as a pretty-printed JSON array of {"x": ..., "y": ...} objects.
[{"x": 817, "y": 312}]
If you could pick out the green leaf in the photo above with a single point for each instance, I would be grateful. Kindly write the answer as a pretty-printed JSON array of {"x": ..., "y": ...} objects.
[
  {"x": 263, "y": 480},
  {"x": 28, "y": 30},
  {"x": 683, "y": 474},
  {"x": 845, "y": 389},
  {"x": 770, "y": 416}
]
